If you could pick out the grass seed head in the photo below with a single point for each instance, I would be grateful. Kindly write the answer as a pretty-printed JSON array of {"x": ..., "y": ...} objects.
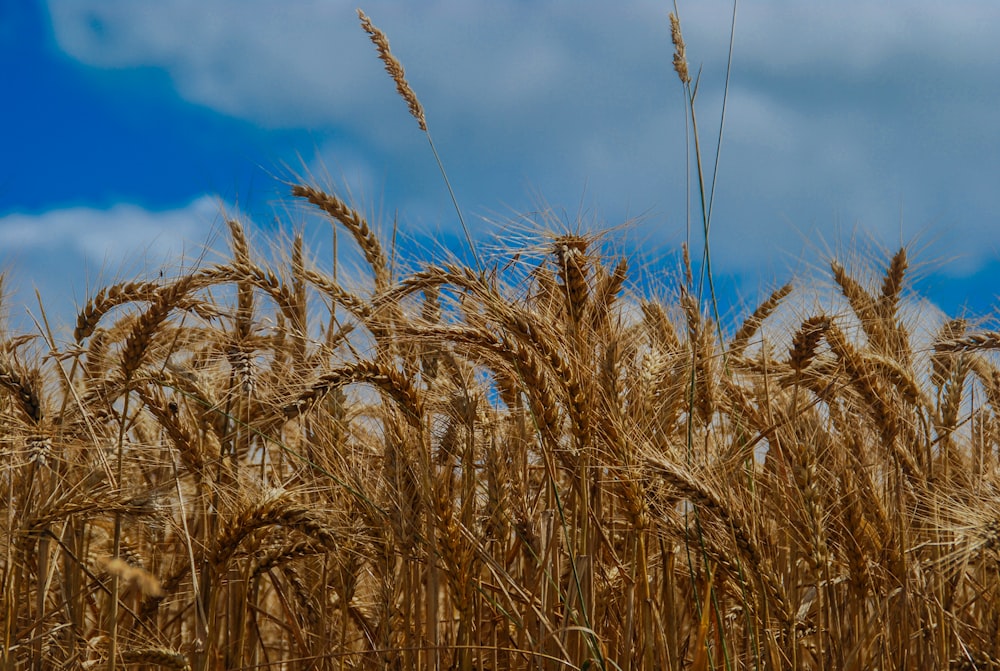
[
  {"x": 680, "y": 50},
  {"x": 395, "y": 70}
]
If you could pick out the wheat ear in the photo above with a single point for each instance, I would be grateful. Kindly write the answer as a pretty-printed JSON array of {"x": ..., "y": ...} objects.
[
  {"x": 23, "y": 390},
  {"x": 141, "y": 335},
  {"x": 892, "y": 284},
  {"x": 395, "y": 70},
  {"x": 680, "y": 50},
  {"x": 163, "y": 657},
  {"x": 272, "y": 511},
  {"x": 572, "y": 262},
  {"x": 805, "y": 342},
  {"x": 970, "y": 342},
  {"x": 108, "y": 298},
  {"x": 390, "y": 381},
  {"x": 355, "y": 225},
  {"x": 606, "y": 293},
  {"x": 705, "y": 498},
  {"x": 753, "y": 323}
]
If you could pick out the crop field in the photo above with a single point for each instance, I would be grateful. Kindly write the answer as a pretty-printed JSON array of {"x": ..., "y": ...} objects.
[{"x": 527, "y": 461}]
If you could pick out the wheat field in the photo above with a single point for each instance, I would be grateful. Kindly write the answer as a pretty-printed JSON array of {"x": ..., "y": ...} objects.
[{"x": 522, "y": 463}]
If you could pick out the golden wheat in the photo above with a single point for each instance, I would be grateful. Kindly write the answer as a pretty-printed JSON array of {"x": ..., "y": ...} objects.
[{"x": 495, "y": 469}]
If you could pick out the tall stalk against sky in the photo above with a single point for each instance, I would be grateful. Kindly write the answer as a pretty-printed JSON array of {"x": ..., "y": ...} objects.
[{"x": 395, "y": 70}]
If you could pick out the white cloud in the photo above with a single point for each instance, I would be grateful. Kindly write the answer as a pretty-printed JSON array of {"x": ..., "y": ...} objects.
[
  {"x": 858, "y": 37},
  {"x": 255, "y": 60},
  {"x": 122, "y": 231},
  {"x": 841, "y": 113},
  {"x": 69, "y": 253}
]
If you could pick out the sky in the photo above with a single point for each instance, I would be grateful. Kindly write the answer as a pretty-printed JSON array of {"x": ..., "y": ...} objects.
[{"x": 131, "y": 130}]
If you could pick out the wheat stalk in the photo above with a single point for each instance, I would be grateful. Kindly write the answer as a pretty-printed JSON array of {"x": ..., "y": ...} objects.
[
  {"x": 355, "y": 224},
  {"x": 395, "y": 70}
]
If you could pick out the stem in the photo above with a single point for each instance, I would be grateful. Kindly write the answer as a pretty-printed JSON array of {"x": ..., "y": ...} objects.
[
  {"x": 454, "y": 200},
  {"x": 116, "y": 552}
]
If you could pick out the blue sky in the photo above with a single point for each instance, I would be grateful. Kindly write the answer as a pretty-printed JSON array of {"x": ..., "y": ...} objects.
[{"x": 129, "y": 127}]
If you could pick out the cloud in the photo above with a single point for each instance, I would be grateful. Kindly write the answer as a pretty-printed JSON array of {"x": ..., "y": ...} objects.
[
  {"x": 122, "y": 231},
  {"x": 839, "y": 114},
  {"x": 304, "y": 60},
  {"x": 69, "y": 253}
]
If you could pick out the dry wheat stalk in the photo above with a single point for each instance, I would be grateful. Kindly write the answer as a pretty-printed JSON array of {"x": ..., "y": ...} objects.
[
  {"x": 355, "y": 225},
  {"x": 107, "y": 299},
  {"x": 164, "y": 657},
  {"x": 892, "y": 285},
  {"x": 861, "y": 301},
  {"x": 274, "y": 510},
  {"x": 25, "y": 392},
  {"x": 572, "y": 266},
  {"x": 752, "y": 324},
  {"x": 390, "y": 381},
  {"x": 680, "y": 50},
  {"x": 970, "y": 342},
  {"x": 395, "y": 70},
  {"x": 362, "y": 310},
  {"x": 523, "y": 471}
]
